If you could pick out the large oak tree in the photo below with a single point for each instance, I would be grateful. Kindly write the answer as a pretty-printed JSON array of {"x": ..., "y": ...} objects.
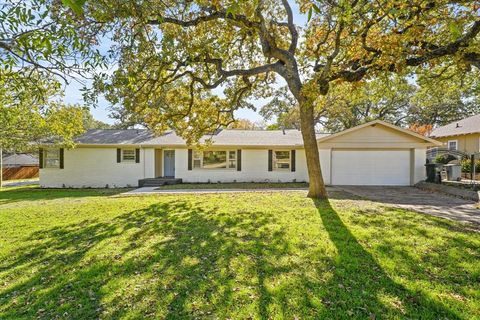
[{"x": 188, "y": 65}]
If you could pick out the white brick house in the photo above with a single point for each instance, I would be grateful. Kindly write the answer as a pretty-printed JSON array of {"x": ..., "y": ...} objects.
[{"x": 376, "y": 153}]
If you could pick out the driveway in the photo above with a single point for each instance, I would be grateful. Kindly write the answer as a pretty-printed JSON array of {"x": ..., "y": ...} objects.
[{"x": 414, "y": 199}]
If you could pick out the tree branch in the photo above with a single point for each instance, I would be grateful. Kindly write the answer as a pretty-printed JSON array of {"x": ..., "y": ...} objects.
[
  {"x": 291, "y": 27},
  {"x": 447, "y": 49},
  {"x": 213, "y": 16}
]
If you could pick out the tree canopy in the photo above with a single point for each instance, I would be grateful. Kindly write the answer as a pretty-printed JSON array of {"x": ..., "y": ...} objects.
[
  {"x": 41, "y": 50},
  {"x": 25, "y": 120},
  {"x": 423, "y": 99}
]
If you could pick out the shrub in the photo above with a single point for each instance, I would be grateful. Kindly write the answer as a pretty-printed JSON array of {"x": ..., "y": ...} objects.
[
  {"x": 467, "y": 165},
  {"x": 444, "y": 158}
]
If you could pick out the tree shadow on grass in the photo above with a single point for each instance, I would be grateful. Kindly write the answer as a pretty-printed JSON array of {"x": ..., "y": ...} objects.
[
  {"x": 172, "y": 260},
  {"x": 360, "y": 288},
  {"x": 185, "y": 259}
]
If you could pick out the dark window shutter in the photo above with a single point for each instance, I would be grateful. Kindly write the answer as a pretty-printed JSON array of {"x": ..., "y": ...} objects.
[
  {"x": 119, "y": 155},
  {"x": 270, "y": 160},
  {"x": 190, "y": 159},
  {"x": 40, "y": 158},
  {"x": 137, "y": 155},
  {"x": 292, "y": 159},
  {"x": 61, "y": 158},
  {"x": 239, "y": 160}
]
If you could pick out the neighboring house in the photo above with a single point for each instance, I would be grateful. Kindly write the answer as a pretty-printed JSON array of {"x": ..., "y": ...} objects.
[
  {"x": 15, "y": 160},
  {"x": 376, "y": 153},
  {"x": 462, "y": 135}
]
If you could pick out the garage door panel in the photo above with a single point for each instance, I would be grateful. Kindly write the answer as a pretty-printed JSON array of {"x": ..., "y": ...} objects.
[{"x": 371, "y": 167}]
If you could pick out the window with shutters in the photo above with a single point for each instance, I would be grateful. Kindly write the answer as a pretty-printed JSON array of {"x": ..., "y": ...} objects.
[
  {"x": 128, "y": 155},
  {"x": 221, "y": 159},
  {"x": 51, "y": 158},
  {"x": 281, "y": 160}
]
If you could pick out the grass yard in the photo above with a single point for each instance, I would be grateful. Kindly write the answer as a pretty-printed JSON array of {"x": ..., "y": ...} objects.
[{"x": 83, "y": 254}]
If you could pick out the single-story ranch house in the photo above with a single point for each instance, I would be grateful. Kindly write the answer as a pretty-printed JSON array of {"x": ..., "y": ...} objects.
[{"x": 376, "y": 153}]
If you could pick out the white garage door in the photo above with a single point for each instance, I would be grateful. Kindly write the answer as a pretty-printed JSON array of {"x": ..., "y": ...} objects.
[{"x": 371, "y": 167}]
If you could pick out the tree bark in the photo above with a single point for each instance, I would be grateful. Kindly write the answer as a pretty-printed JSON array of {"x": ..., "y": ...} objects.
[{"x": 316, "y": 184}]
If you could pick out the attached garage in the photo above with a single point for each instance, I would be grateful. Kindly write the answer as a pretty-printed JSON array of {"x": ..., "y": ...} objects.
[
  {"x": 374, "y": 154},
  {"x": 371, "y": 167}
]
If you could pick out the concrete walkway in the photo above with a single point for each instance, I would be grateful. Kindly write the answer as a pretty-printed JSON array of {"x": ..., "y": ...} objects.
[
  {"x": 155, "y": 190},
  {"x": 414, "y": 199}
]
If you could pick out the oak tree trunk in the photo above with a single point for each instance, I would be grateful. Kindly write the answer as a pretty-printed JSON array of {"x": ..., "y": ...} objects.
[{"x": 316, "y": 184}]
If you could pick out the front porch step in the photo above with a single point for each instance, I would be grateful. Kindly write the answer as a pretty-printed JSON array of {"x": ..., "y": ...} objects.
[{"x": 157, "y": 182}]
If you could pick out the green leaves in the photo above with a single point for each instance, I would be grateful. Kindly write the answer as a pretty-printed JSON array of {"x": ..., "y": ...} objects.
[
  {"x": 315, "y": 8},
  {"x": 75, "y": 5},
  {"x": 455, "y": 28}
]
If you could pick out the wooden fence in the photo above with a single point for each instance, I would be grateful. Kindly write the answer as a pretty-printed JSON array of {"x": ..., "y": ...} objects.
[
  {"x": 466, "y": 175},
  {"x": 20, "y": 173}
]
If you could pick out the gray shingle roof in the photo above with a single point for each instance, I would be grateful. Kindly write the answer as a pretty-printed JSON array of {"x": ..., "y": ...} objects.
[
  {"x": 22, "y": 159},
  {"x": 221, "y": 138},
  {"x": 465, "y": 126},
  {"x": 111, "y": 136}
]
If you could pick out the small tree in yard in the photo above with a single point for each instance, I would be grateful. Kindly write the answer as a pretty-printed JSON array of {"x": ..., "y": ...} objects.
[{"x": 174, "y": 57}]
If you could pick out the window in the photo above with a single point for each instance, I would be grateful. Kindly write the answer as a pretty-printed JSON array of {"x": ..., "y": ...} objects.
[
  {"x": 52, "y": 158},
  {"x": 452, "y": 145},
  {"x": 281, "y": 160},
  {"x": 214, "y": 159},
  {"x": 128, "y": 155},
  {"x": 197, "y": 159}
]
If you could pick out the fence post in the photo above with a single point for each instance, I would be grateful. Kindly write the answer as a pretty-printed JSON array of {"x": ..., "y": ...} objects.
[{"x": 472, "y": 166}]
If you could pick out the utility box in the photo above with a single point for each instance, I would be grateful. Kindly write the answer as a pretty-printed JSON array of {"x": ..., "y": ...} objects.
[{"x": 454, "y": 172}]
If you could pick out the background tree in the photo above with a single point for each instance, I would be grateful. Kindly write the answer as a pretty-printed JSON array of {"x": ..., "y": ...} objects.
[
  {"x": 246, "y": 124},
  {"x": 424, "y": 130},
  {"x": 25, "y": 120},
  {"x": 445, "y": 95},
  {"x": 41, "y": 49},
  {"x": 89, "y": 122},
  {"x": 172, "y": 55}
]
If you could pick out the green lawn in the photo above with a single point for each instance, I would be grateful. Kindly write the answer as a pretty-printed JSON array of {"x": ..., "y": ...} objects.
[{"x": 83, "y": 254}]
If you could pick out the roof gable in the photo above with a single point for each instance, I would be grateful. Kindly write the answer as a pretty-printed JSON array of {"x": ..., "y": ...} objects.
[{"x": 378, "y": 133}]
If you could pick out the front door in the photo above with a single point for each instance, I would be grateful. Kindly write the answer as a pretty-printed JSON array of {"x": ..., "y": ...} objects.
[{"x": 169, "y": 163}]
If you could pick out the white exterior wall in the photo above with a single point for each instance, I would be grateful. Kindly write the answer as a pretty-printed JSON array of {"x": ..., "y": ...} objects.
[
  {"x": 254, "y": 168},
  {"x": 420, "y": 158},
  {"x": 326, "y": 164},
  {"x": 97, "y": 168}
]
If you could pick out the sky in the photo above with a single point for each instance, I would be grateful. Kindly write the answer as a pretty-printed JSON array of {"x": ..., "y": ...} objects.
[{"x": 73, "y": 94}]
